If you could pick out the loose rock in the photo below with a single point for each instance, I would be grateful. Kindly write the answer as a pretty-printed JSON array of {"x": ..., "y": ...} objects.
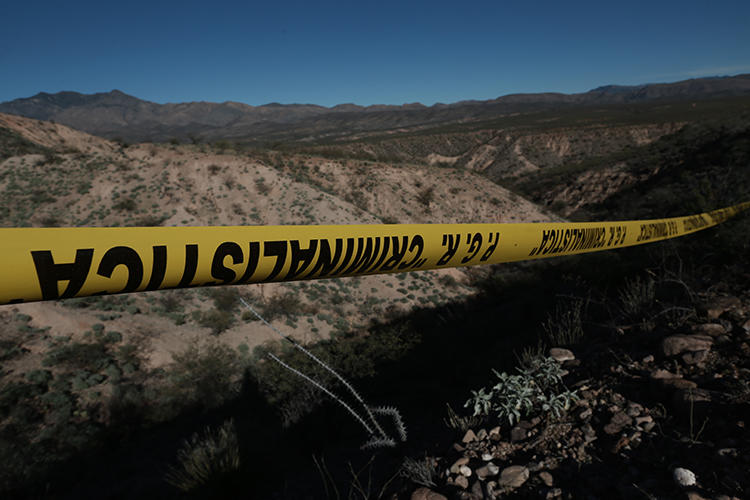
[
  {"x": 694, "y": 495},
  {"x": 487, "y": 470},
  {"x": 462, "y": 482},
  {"x": 427, "y": 494},
  {"x": 517, "y": 433},
  {"x": 458, "y": 463},
  {"x": 585, "y": 414},
  {"x": 513, "y": 476},
  {"x": 710, "y": 329},
  {"x": 476, "y": 491},
  {"x": 677, "y": 344},
  {"x": 561, "y": 355},
  {"x": 695, "y": 358},
  {"x": 553, "y": 493},
  {"x": 469, "y": 437},
  {"x": 683, "y": 477},
  {"x": 618, "y": 422},
  {"x": 679, "y": 383},
  {"x": 720, "y": 305},
  {"x": 660, "y": 374},
  {"x": 546, "y": 478}
]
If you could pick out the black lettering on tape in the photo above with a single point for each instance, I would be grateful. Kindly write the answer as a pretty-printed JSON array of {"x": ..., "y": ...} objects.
[
  {"x": 452, "y": 244},
  {"x": 399, "y": 251},
  {"x": 365, "y": 257},
  {"x": 122, "y": 256},
  {"x": 418, "y": 242},
  {"x": 218, "y": 269},
  {"x": 49, "y": 274},
  {"x": 159, "y": 268},
  {"x": 357, "y": 257},
  {"x": 476, "y": 244},
  {"x": 301, "y": 259},
  {"x": 275, "y": 249},
  {"x": 491, "y": 249},
  {"x": 253, "y": 257},
  {"x": 325, "y": 262},
  {"x": 347, "y": 256},
  {"x": 545, "y": 237},
  {"x": 191, "y": 266},
  {"x": 383, "y": 254}
]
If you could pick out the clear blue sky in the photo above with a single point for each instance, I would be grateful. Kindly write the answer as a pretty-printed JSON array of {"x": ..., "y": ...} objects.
[{"x": 363, "y": 52}]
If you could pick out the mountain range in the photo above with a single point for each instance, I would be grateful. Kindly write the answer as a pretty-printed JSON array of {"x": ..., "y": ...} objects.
[{"x": 115, "y": 114}]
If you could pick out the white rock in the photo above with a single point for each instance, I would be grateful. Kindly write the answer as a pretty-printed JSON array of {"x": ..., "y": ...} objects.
[
  {"x": 487, "y": 457},
  {"x": 684, "y": 477},
  {"x": 466, "y": 471}
]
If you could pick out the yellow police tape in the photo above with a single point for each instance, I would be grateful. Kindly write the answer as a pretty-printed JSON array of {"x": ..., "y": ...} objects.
[{"x": 53, "y": 263}]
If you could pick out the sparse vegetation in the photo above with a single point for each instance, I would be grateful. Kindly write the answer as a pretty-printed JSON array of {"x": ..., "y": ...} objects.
[
  {"x": 537, "y": 389},
  {"x": 564, "y": 326},
  {"x": 206, "y": 459}
]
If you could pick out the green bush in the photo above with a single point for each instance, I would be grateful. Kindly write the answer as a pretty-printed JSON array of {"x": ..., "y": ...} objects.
[
  {"x": 112, "y": 337},
  {"x": 225, "y": 299},
  {"x": 426, "y": 196},
  {"x": 217, "y": 321},
  {"x": 206, "y": 374},
  {"x": 538, "y": 389},
  {"x": 282, "y": 304},
  {"x": 39, "y": 377},
  {"x": 78, "y": 355},
  {"x": 126, "y": 205}
]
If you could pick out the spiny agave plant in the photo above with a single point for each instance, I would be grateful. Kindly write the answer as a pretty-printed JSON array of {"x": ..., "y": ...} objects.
[
  {"x": 378, "y": 437},
  {"x": 206, "y": 457}
]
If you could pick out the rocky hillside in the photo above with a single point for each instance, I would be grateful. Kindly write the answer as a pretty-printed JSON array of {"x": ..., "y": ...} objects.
[
  {"x": 616, "y": 373},
  {"x": 73, "y": 179}
]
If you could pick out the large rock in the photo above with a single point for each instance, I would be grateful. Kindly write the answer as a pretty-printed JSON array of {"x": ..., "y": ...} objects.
[
  {"x": 677, "y": 344},
  {"x": 561, "y": 355},
  {"x": 710, "y": 329},
  {"x": 513, "y": 476},
  {"x": 426, "y": 494}
]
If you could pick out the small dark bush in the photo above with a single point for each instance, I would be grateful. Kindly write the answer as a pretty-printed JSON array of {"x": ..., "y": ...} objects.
[
  {"x": 216, "y": 320},
  {"x": 78, "y": 355}
]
